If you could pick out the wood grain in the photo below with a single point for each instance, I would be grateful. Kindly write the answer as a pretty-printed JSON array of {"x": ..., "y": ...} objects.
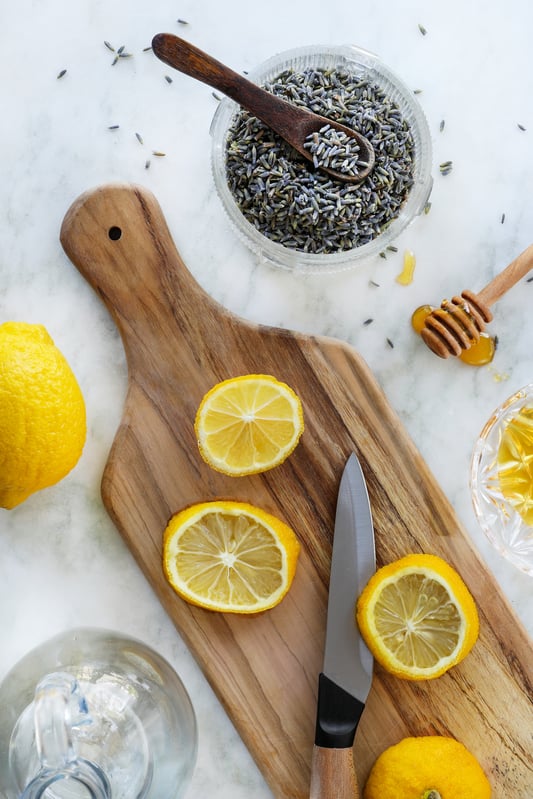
[
  {"x": 333, "y": 774},
  {"x": 178, "y": 343}
]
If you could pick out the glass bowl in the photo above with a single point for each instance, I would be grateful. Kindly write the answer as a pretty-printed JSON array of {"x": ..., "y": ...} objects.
[
  {"x": 360, "y": 64},
  {"x": 510, "y": 532}
]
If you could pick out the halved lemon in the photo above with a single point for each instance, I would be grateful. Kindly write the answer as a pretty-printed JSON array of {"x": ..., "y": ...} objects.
[
  {"x": 417, "y": 617},
  {"x": 229, "y": 556},
  {"x": 248, "y": 424}
]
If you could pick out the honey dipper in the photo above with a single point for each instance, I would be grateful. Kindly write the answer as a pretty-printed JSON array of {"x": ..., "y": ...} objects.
[{"x": 458, "y": 323}]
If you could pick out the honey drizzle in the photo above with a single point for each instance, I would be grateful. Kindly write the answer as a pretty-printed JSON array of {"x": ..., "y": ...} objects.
[{"x": 405, "y": 278}]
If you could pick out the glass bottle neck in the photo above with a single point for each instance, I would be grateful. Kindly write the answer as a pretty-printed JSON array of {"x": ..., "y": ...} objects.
[
  {"x": 59, "y": 707},
  {"x": 82, "y": 779}
]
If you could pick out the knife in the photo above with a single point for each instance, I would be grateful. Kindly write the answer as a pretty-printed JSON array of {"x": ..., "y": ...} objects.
[{"x": 346, "y": 676}]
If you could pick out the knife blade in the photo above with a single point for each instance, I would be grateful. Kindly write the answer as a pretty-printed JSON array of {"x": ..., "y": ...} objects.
[{"x": 346, "y": 677}]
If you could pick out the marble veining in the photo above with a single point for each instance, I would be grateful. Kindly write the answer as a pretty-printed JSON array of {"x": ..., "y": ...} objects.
[{"x": 63, "y": 563}]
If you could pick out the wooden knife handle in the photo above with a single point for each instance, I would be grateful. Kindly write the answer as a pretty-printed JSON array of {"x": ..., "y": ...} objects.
[{"x": 333, "y": 774}]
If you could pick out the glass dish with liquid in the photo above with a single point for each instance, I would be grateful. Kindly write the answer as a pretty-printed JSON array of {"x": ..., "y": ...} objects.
[{"x": 501, "y": 479}]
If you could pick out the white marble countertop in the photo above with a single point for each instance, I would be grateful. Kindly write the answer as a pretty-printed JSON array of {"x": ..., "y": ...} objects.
[{"x": 63, "y": 563}]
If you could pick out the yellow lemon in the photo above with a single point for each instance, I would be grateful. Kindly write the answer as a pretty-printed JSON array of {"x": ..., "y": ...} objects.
[
  {"x": 229, "y": 556},
  {"x": 248, "y": 424},
  {"x": 428, "y": 767},
  {"x": 417, "y": 617},
  {"x": 42, "y": 413}
]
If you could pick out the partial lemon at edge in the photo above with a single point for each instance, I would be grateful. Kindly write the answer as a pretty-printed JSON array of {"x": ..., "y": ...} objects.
[
  {"x": 42, "y": 413},
  {"x": 427, "y": 767}
]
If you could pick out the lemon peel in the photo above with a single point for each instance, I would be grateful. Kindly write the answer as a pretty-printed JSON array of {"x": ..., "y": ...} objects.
[
  {"x": 42, "y": 413},
  {"x": 427, "y": 767}
]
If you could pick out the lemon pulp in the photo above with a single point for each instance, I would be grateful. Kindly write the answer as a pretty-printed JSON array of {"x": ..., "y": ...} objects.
[{"x": 418, "y": 622}]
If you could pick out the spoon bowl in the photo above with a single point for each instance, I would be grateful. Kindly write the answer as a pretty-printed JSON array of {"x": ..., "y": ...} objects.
[{"x": 323, "y": 142}]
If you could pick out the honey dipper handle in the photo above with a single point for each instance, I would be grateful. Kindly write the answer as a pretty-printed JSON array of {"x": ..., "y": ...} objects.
[{"x": 506, "y": 279}]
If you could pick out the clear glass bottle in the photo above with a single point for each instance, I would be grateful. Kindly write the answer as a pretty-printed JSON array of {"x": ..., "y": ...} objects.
[{"x": 93, "y": 713}]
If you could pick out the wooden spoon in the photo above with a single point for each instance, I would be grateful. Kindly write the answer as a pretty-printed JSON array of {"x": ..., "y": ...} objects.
[
  {"x": 294, "y": 124},
  {"x": 458, "y": 323}
]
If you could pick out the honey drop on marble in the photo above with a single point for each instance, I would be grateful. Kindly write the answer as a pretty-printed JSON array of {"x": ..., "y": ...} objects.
[
  {"x": 480, "y": 353},
  {"x": 409, "y": 263}
]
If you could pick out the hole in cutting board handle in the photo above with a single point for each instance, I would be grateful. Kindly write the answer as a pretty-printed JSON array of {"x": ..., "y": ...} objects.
[{"x": 114, "y": 233}]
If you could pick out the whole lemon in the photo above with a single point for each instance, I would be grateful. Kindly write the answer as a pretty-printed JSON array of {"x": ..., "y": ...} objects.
[
  {"x": 42, "y": 413},
  {"x": 427, "y": 767}
]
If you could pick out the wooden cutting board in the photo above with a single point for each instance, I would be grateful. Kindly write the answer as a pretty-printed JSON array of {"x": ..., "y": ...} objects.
[{"x": 178, "y": 344}]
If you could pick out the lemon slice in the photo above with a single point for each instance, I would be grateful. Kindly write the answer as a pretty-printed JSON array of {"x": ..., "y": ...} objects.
[
  {"x": 229, "y": 556},
  {"x": 417, "y": 617},
  {"x": 248, "y": 424}
]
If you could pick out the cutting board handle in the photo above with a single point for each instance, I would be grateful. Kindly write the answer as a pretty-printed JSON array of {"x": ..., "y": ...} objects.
[{"x": 117, "y": 237}]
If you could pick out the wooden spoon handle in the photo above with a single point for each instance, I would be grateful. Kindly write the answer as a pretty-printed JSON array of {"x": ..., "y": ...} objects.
[
  {"x": 185, "y": 57},
  {"x": 506, "y": 279},
  {"x": 333, "y": 774},
  {"x": 293, "y": 123}
]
